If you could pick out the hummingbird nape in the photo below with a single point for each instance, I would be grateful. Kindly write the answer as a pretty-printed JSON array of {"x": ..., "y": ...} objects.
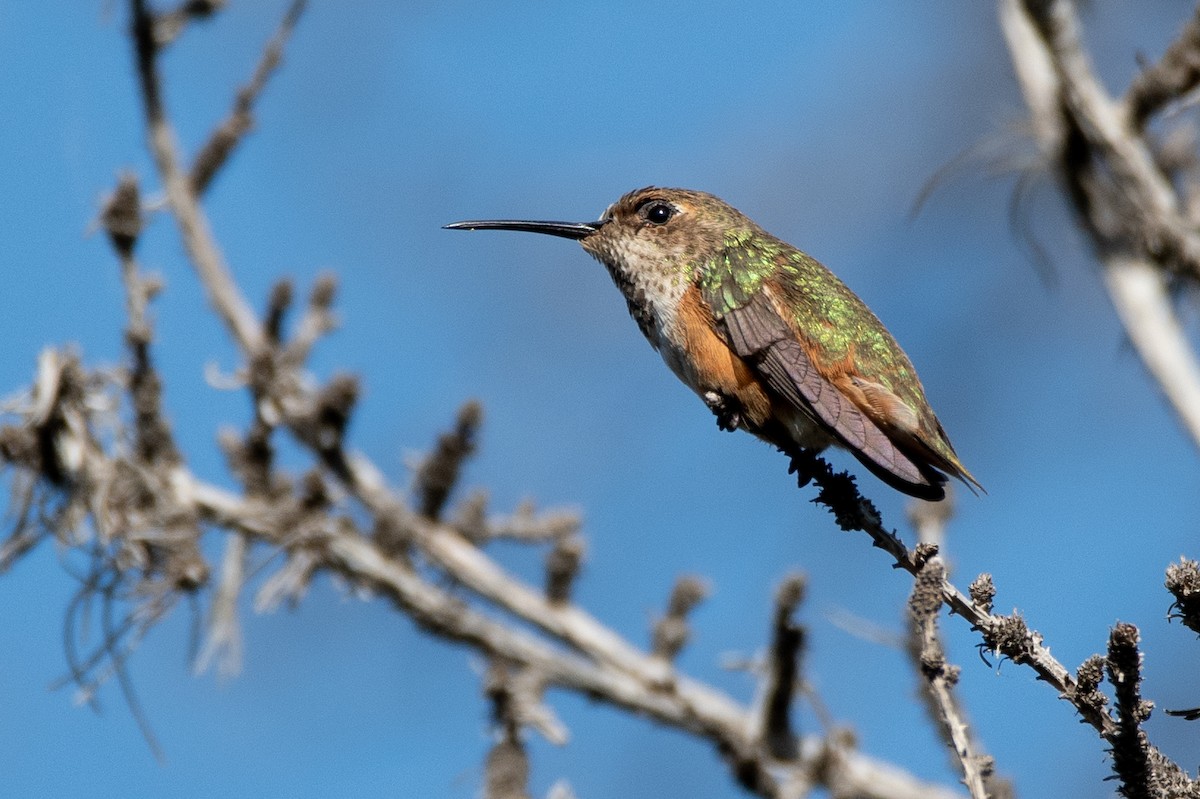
[{"x": 770, "y": 339}]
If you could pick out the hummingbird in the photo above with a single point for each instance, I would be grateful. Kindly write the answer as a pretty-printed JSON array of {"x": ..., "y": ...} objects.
[{"x": 769, "y": 338}]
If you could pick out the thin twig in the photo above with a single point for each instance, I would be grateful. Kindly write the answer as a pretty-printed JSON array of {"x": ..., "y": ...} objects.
[
  {"x": 226, "y": 137},
  {"x": 928, "y": 653},
  {"x": 194, "y": 229},
  {"x": 223, "y": 643},
  {"x": 940, "y": 678}
]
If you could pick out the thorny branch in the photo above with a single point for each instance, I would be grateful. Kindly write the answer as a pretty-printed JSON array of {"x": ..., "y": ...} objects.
[
  {"x": 1008, "y": 636},
  {"x": 941, "y": 677},
  {"x": 1004, "y": 635}
]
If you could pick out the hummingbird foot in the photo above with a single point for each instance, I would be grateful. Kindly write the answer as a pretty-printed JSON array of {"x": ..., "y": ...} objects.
[
  {"x": 804, "y": 464},
  {"x": 727, "y": 410}
]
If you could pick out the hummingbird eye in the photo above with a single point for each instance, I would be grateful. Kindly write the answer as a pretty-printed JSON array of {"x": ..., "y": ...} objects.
[{"x": 658, "y": 212}]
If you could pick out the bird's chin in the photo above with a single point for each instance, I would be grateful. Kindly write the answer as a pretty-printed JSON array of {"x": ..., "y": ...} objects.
[{"x": 601, "y": 250}]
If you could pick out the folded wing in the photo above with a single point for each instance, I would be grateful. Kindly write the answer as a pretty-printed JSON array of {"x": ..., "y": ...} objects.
[{"x": 757, "y": 333}]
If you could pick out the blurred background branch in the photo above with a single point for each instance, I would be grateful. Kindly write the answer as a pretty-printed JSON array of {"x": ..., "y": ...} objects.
[{"x": 1134, "y": 196}]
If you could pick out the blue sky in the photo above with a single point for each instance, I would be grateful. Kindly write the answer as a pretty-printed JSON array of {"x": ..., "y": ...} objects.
[{"x": 821, "y": 120}]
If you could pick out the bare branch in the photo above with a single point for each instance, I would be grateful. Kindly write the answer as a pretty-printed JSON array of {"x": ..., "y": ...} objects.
[
  {"x": 1155, "y": 225},
  {"x": 928, "y": 653},
  {"x": 1131, "y": 752},
  {"x": 783, "y": 669},
  {"x": 1009, "y": 636},
  {"x": 605, "y": 667},
  {"x": 688, "y": 705},
  {"x": 1142, "y": 298},
  {"x": 193, "y": 225},
  {"x": 224, "y": 642},
  {"x": 221, "y": 144},
  {"x": 925, "y": 647}
]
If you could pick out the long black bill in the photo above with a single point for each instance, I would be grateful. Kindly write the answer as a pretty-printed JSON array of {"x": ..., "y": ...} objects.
[{"x": 567, "y": 230}]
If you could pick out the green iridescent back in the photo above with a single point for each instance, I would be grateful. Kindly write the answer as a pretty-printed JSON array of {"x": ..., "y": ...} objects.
[{"x": 824, "y": 310}]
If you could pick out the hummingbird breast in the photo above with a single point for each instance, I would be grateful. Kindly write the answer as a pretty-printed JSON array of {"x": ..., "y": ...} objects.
[{"x": 705, "y": 363}]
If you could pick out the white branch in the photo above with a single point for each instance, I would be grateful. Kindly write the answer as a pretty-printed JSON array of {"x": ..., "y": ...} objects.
[
  {"x": 1056, "y": 78},
  {"x": 1139, "y": 293}
]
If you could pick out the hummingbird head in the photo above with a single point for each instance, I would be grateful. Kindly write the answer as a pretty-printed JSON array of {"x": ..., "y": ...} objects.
[{"x": 663, "y": 232}]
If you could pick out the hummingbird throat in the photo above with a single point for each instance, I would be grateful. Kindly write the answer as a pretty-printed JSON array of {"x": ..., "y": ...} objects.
[{"x": 653, "y": 286}]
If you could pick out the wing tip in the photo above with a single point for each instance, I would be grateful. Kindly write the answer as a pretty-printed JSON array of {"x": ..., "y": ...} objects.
[
  {"x": 933, "y": 489},
  {"x": 955, "y": 468}
]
